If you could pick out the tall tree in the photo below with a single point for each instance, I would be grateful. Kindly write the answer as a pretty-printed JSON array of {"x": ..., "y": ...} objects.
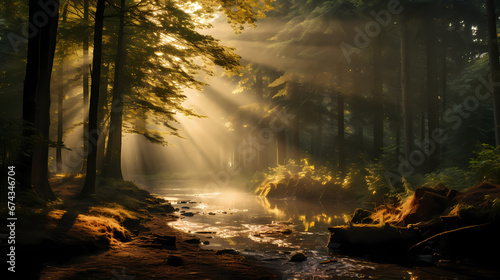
[
  {"x": 494, "y": 64},
  {"x": 60, "y": 109},
  {"x": 85, "y": 70},
  {"x": 340, "y": 92},
  {"x": 405, "y": 88},
  {"x": 432, "y": 87},
  {"x": 36, "y": 94},
  {"x": 112, "y": 166},
  {"x": 378, "y": 87},
  {"x": 341, "y": 133},
  {"x": 93, "y": 135}
]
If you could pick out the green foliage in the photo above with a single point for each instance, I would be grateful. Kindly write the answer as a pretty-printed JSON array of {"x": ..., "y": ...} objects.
[
  {"x": 486, "y": 165},
  {"x": 355, "y": 179},
  {"x": 495, "y": 209},
  {"x": 452, "y": 177},
  {"x": 466, "y": 131},
  {"x": 302, "y": 170},
  {"x": 376, "y": 172},
  {"x": 290, "y": 175}
]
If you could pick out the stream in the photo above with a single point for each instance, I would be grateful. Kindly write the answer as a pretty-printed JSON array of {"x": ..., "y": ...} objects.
[{"x": 271, "y": 230}]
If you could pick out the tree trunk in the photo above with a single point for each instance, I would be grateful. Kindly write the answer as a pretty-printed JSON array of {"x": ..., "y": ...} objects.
[
  {"x": 281, "y": 147},
  {"x": 41, "y": 49},
  {"x": 296, "y": 139},
  {"x": 494, "y": 65},
  {"x": 85, "y": 70},
  {"x": 405, "y": 88},
  {"x": 90, "y": 178},
  {"x": 25, "y": 157},
  {"x": 432, "y": 90},
  {"x": 318, "y": 139},
  {"x": 443, "y": 79},
  {"x": 378, "y": 111},
  {"x": 114, "y": 148},
  {"x": 341, "y": 132},
  {"x": 101, "y": 118},
  {"x": 60, "y": 110}
]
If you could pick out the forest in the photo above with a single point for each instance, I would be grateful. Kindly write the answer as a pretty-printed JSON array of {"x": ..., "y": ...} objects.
[{"x": 250, "y": 139}]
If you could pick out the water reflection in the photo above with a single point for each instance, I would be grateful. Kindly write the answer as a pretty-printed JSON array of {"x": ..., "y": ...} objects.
[
  {"x": 312, "y": 216},
  {"x": 272, "y": 229}
]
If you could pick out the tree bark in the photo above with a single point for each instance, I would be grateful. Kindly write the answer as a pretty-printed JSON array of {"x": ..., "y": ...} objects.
[
  {"x": 37, "y": 90},
  {"x": 432, "y": 90},
  {"x": 60, "y": 110},
  {"x": 494, "y": 64},
  {"x": 85, "y": 69},
  {"x": 378, "y": 111},
  {"x": 90, "y": 178},
  {"x": 281, "y": 147},
  {"x": 114, "y": 148},
  {"x": 341, "y": 132},
  {"x": 405, "y": 88},
  {"x": 25, "y": 157},
  {"x": 296, "y": 138},
  {"x": 101, "y": 117}
]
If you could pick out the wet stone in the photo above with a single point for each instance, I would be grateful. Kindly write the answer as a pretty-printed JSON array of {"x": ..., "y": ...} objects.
[
  {"x": 164, "y": 240},
  {"x": 227, "y": 251},
  {"x": 174, "y": 260},
  {"x": 192, "y": 241},
  {"x": 298, "y": 257},
  {"x": 329, "y": 261}
]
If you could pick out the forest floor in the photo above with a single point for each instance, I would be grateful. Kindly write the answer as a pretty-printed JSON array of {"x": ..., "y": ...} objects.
[{"x": 121, "y": 233}]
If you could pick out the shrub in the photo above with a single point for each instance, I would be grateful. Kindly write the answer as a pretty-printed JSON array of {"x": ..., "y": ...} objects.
[
  {"x": 278, "y": 180},
  {"x": 452, "y": 177},
  {"x": 486, "y": 165}
]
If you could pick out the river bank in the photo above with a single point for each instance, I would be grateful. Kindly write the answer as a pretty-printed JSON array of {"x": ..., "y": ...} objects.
[
  {"x": 120, "y": 233},
  {"x": 434, "y": 225}
]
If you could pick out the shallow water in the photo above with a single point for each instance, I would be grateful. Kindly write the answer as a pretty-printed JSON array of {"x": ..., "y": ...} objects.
[{"x": 271, "y": 230}]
